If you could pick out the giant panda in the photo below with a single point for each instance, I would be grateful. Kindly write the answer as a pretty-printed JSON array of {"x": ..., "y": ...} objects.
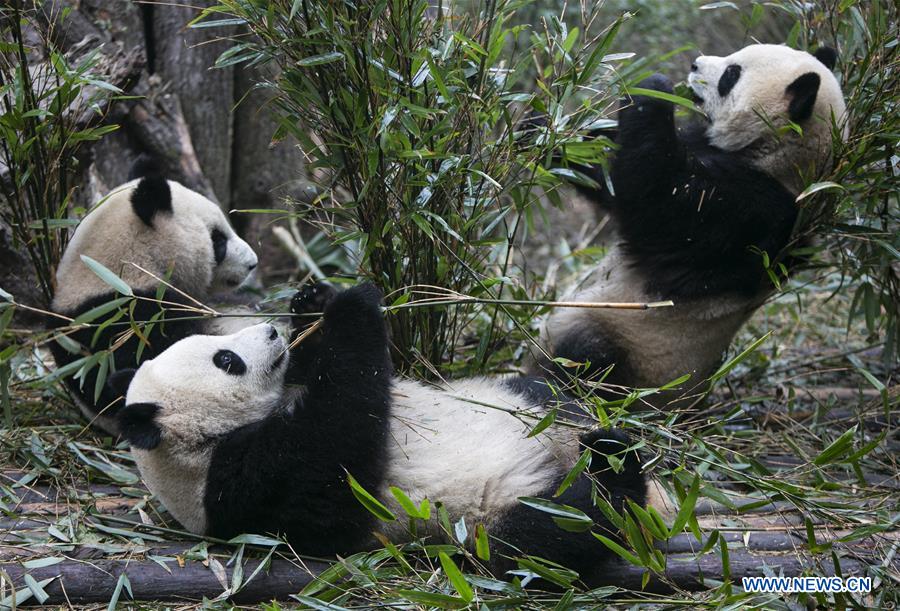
[
  {"x": 172, "y": 232},
  {"x": 694, "y": 208},
  {"x": 234, "y": 437}
]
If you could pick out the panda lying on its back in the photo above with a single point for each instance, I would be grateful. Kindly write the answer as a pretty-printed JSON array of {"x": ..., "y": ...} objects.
[
  {"x": 161, "y": 226},
  {"x": 233, "y": 437},
  {"x": 694, "y": 208}
]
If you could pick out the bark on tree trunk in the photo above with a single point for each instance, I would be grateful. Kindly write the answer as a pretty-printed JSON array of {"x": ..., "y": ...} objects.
[
  {"x": 263, "y": 172},
  {"x": 183, "y": 57}
]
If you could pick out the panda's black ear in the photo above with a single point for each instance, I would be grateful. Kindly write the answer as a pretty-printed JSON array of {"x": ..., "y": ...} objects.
[
  {"x": 152, "y": 195},
  {"x": 802, "y": 93},
  {"x": 827, "y": 56},
  {"x": 120, "y": 380},
  {"x": 138, "y": 425},
  {"x": 144, "y": 165}
]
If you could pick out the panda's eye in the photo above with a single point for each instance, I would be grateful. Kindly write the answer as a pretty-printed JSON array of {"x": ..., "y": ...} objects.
[
  {"x": 220, "y": 245},
  {"x": 229, "y": 362},
  {"x": 729, "y": 79}
]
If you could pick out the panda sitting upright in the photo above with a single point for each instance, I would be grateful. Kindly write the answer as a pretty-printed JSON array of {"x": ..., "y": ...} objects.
[
  {"x": 233, "y": 437},
  {"x": 168, "y": 230},
  {"x": 695, "y": 208}
]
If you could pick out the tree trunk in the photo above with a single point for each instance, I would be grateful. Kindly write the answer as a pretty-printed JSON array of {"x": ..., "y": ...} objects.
[{"x": 183, "y": 58}]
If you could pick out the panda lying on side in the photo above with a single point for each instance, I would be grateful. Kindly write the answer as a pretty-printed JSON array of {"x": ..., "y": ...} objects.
[
  {"x": 694, "y": 207},
  {"x": 233, "y": 437},
  {"x": 159, "y": 225}
]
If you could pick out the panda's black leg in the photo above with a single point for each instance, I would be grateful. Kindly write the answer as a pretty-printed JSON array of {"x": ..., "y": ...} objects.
[
  {"x": 629, "y": 481},
  {"x": 525, "y": 528}
]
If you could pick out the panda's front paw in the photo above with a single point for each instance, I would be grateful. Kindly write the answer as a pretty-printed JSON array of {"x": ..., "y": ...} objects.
[
  {"x": 312, "y": 299},
  {"x": 657, "y": 82},
  {"x": 638, "y": 109}
]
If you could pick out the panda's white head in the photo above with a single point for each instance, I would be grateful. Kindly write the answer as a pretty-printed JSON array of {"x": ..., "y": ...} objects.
[
  {"x": 203, "y": 387},
  {"x": 751, "y": 97},
  {"x": 159, "y": 225}
]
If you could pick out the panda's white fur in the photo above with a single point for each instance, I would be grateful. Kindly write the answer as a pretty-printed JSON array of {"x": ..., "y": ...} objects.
[
  {"x": 115, "y": 236},
  {"x": 243, "y": 449},
  {"x": 692, "y": 208},
  {"x": 662, "y": 343},
  {"x": 489, "y": 457},
  {"x": 171, "y": 232}
]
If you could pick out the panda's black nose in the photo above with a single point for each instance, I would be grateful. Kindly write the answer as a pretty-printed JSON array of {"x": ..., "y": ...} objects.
[
  {"x": 251, "y": 267},
  {"x": 694, "y": 66},
  {"x": 273, "y": 333}
]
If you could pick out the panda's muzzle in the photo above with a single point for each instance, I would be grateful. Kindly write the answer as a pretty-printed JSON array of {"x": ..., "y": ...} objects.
[
  {"x": 694, "y": 82},
  {"x": 279, "y": 345}
]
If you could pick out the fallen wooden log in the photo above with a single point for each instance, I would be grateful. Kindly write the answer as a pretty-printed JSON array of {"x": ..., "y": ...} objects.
[
  {"x": 77, "y": 581},
  {"x": 752, "y": 540}
]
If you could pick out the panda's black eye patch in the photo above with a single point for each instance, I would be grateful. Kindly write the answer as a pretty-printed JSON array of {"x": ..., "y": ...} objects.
[
  {"x": 220, "y": 245},
  {"x": 229, "y": 362},
  {"x": 729, "y": 79}
]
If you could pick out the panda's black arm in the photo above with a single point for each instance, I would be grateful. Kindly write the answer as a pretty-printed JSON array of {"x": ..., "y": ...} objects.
[
  {"x": 287, "y": 474},
  {"x": 352, "y": 334},
  {"x": 352, "y": 350},
  {"x": 649, "y": 150}
]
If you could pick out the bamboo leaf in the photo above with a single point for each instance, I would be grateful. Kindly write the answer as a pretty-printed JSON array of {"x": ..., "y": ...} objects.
[
  {"x": 661, "y": 95},
  {"x": 368, "y": 501},
  {"x": 687, "y": 507},
  {"x": 816, "y": 187},
  {"x": 837, "y": 448},
  {"x": 107, "y": 276},
  {"x": 406, "y": 503},
  {"x": 618, "y": 550},
  {"x": 566, "y": 517},
  {"x": 724, "y": 369},
  {"x": 442, "y": 601},
  {"x": 583, "y": 462},
  {"x": 482, "y": 548},
  {"x": 98, "y": 311},
  {"x": 456, "y": 578},
  {"x": 546, "y": 421},
  {"x": 319, "y": 60},
  {"x": 40, "y": 595}
]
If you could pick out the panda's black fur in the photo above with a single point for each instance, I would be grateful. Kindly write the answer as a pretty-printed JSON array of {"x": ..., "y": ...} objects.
[
  {"x": 692, "y": 228},
  {"x": 341, "y": 424},
  {"x": 287, "y": 472}
]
